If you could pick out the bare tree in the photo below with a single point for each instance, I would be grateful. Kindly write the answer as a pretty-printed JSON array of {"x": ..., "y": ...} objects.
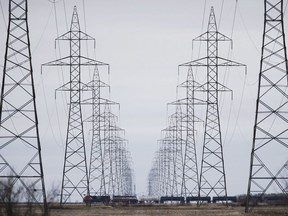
[
  {"x": 10, "y": 194},
  {"x": 53, "y": 195}
]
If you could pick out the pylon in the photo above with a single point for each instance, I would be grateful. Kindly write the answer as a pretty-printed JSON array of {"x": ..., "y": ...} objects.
[
  {"x": 20, "y": 149},
  {"x": 96, "y": 167},
  {"x": 212, "y": 174},
  {"x": 269, "y": 155},
  {"x": 75, "y": 172},
  {"x": 190, "y": 177}
]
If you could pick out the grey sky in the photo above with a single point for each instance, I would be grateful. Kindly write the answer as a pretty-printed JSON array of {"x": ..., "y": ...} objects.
[{"x": 144, "y": 41}]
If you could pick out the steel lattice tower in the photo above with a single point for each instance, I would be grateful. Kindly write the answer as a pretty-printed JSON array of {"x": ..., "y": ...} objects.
[
  {"x": 19, "y": 133},
  {"x": 166, "y": 161},
  {"x": 212, "y": 174},
  {"x": 170, "y": 157},
  {"x": 190, "y": 172},
  {"x": 177, "y": 142},
  {"x": 190, "y": 166},
  {"x": 153, "y": 180},
  {"x": 96, "y": 167},
  {"x": 109, "y": 171},
  {"x": 269, "y": 155},
  {"x": 109, "y": 155},
  {"x": 75, "y": 174}
]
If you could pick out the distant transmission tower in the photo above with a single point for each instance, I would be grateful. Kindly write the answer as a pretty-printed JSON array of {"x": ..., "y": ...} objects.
[
  {"x": 75, "y": 172},
  {"x": 269, "y": 155},
  {"x": 96, "y": 167},
  {"x": 190, "y": 179},
  {"x": 212, "y": 174},
  {"x": 20, "y": 150}
]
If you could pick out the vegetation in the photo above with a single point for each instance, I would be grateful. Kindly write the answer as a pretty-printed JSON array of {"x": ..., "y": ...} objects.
[{"x": 15, "y": 200}]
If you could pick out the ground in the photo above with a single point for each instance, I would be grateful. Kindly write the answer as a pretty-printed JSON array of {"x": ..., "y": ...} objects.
[
  {"x": 169, "y": 210},
  {"x": 151, "y": 210}
]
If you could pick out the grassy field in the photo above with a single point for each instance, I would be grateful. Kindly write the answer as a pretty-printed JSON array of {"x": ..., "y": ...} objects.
[
  {"x": 145, "y": 210},
  {"x": 209, "y": 210}
]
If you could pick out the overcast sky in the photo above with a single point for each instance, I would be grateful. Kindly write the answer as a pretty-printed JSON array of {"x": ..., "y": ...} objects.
[{"x": 144, "y": 41}]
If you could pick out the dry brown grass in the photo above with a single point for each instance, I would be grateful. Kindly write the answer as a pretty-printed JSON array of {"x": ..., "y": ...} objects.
[
  {"x": 169, "y": 210},
  {"x": 155, "y": 210}
]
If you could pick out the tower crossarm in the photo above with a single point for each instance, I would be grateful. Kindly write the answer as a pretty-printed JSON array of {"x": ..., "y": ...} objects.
[
  {"x": 220, "y": 37},
  {"x": 81, "y": 35},
  {"x": 221, "y": 62},
  {"x": 185, "y": 101},
  {"x": 83, "y": 61},
  {"x": 91, "y": 85}
]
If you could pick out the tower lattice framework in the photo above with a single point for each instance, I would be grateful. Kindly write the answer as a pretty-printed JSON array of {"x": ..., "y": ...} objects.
[
  {"x": 176, "y": 160},
  {"x": 20, "y": 149},
  {"x": 96, "y": 165},
  {"x": 269, "y": 155},
  {"x": 190, "y": 179},
  {"x": 212, "y": 180},
  {"x": 110, "y": 170},
  {"x": 75, "y": 171}
]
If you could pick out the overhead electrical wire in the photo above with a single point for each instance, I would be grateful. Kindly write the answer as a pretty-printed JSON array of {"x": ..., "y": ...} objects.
[
  {"x": 42, "y": 84},
  {"x": 60, "y": 54},
  {"x": 88, "y": 134},
  {"x": 65, "y": 14},
  {"x": 226, "y": 77},
  {"x": 234, "y": 18},
  {"x": 4, "y": 19},
  {"x": 85, "y": 28},
  {"x": 2, "y": 12},
  {"x": 43, "y": 32},
  {"x": 50, "y": 125},
  {"x": 242, "y": 93},
  {"x": 202, "y": 109},
  {"x": 243, "y": 90},
  {"x": 238, "y": 113},
  {"x": 247, "y": 32},
  {"x": 202, "y": 27},
  {"x": 221, "y": 12},
  {"x": 42, "y": 80},
  {"x": 62, "y": 72},
  {"x": 16, "y": 59},
  {"x": 230, "y": 54}
]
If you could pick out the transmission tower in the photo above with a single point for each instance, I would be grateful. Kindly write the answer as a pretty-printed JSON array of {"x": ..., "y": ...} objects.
[
  {"x": 153, "y": 180},
  {"x": 20, "y": 150},
  {"x": 168, "y": 165},
  {"x": 109, "y": 142},
  {"x": 212, "y": 175},
  {"x": 96, "y": 168},
  {"x": 190, "y": 180},
  {"x": 165, "y": 162},
  {"x": 269, "y": 155},
  {"x": 177, "y": 142},
  {"x": 75, "y": 174}
]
